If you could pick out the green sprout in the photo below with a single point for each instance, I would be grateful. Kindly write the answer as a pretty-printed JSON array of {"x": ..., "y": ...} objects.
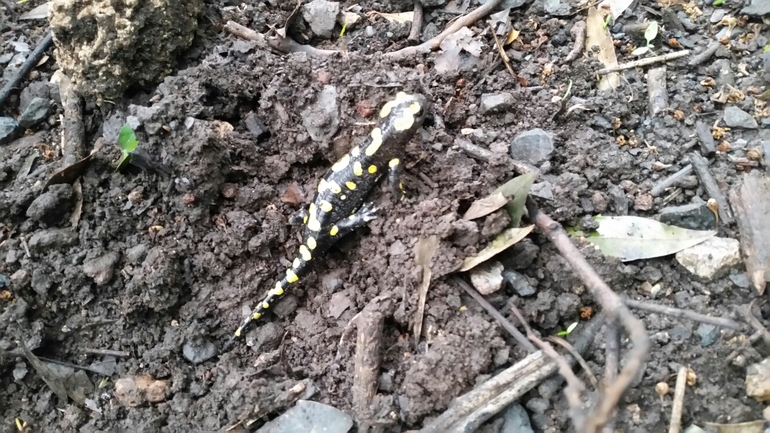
[
  {"x": 128, "y": 143},
  {"x": 104, "y": 382},
  {"x": 649, "y": 34},
  {"x": 718, "y": 3},
  {"x": 570, "y": 328},
  {"x": 606, "y": 22}
]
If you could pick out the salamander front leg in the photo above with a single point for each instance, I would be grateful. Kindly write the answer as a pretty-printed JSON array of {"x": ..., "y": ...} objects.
[
  {"x": 394, "y": 178},
  {"x": 299, "y": 217},
  {"x": 366, "y": 213}
]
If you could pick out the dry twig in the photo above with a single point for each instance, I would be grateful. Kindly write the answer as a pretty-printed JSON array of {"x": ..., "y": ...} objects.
[
  {"x": 678, "y": 404},
  {"x": 683, "y": 314},
  {"x": 367, "y": 364},
  {"x": 27, "y": 66},
  {"x": 611, "y": 363},
  {"x": 508, "y": 326},
  {"x": 670, "y": 181},
  {"x": 612, "y": 305},
  {"x": 644, "y": 62},
  {"x": 578, "y": 32},
  {"x": 705, "y": 54},
  {"x": 279, "y": 43},
  {"x": 707, "y": 181},
  {"x": 107, "y": 352},
  {"x": 416, "y": 31},
  {"x": 434, "y": 42}
]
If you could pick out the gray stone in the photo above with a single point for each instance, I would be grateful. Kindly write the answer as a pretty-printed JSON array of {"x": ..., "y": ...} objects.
[
  {"x": 736, "y": 118},
  {"x": 136, "y": 254},
  {"x": 54, "y": 238},
  {"x": 101, "y": 269},
  {"x": 519, "y": 282},
  {"x": 717, "y": 15},
  {"x": 740, "y": 279},
  {"x": 51, "y": 206},
  {"x": 432, "y": 3},
  {"x": 321, "y": 119},
  {"x": 538, "y": 405},
  {"x": 369, "y": 31},
  {"x": 534, "y": 146},
  {"x": 694, "y": 429},
  {"x": 307, "y": 416},
  {"x": 36, "y": 112},
  {"x": 41, "y": 281},
  {"x": 487, "y": 278},
  {"x": 496, "y": 102},
  {"x": 543, "y": 190},
  {"x": 694, "y": 216},
  {"x": 757, "y": 8},
  {"x": 9, "y": 130},
  {"x": 619, "y": 199},
  {"x": 5, "y": 58},
  {"x": 708, "y": 334},
  {"x": 516, "y": 420},
  {"x": 199, "y": 350},
  {"x": 710, "y": 258},
  {"x": 19, "y": 371},
  {"x": 36, "y": 89},
  {"x": 321, "y": 15}
]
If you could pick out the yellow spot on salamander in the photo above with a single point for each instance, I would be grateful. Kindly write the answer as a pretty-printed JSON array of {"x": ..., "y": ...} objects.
[
  {"x": 415, "y": 108},
  {"x": 372, "y": 169},
  {"x": 326, "y": 206},
  {"x": 334, "y": 230},
  {"x": 278, "y": 290},
  {"x": 394, "y": 162},
  {"x": 386, "y": 109},
  {"x": 341, "y": 164},
  {"x": 403, "y": 123},
  {"x": 357, "y": 169},
  {"x": 265, "y": 305},
  {"x": 296, "y": 263},
  {"x": 291, "y": 276},
  {"x": 305, "y": 253},
  {"x": 334, "y": 187},
  {"x": 314, "y": 225},
  {"x": 376, "y": 142},
  {"x": 311, "y": 243},
  {"x": 322, "y": 185},
  {"x": 238, "y": 332},
  {"x": 351, "y": 185},
  {"x": 343, "y": 197},
  {"x": 355, "y": 151},
  {"x": 256, "y": 316},
  {"x": 304, "y": 220}
]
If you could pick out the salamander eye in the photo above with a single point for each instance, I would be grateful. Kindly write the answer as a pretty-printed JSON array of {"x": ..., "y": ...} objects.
[{"x": 419, "y": 113}]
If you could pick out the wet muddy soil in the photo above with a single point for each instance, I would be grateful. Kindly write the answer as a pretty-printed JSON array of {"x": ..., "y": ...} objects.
[{"x": 165, "y": 266}]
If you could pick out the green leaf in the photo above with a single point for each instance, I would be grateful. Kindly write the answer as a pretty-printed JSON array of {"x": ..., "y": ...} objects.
[
  {"x": 127, "y": 139},
  {"x": 718, "y": 3},
  {"x": 652, "y": 31},
  {"x": 632, "y": 238},
  {"x": 517, "y": 189},
  {"x": 104, "y": 382},
  {"x": 125, "y": 159}
]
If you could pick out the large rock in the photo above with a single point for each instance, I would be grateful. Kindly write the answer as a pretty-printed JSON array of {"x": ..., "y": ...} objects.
[
  {"x": 711, "y": 258},
  {"x": 104, "y": 46}
]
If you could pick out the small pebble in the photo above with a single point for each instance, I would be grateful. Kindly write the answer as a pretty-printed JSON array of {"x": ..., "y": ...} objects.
[{"x": 199, "y": 350}]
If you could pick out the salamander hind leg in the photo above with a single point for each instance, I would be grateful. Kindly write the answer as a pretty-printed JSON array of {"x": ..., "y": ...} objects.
[{"x": 299, "y": 217}]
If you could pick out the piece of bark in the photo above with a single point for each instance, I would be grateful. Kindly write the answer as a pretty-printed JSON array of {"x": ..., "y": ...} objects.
[
  {"x": 657, "y": 95},
  {"x": 367, "y": 362},
  {"x": 707, "y": 144},
  {"x": 701, "y": 167},
  {"x": 752, "y": 211}
]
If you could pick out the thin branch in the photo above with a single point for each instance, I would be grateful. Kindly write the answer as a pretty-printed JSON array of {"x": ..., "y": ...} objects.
[
  {"x": 670, "y": 181},
  {"x": 434, "y": 42},
  {"x": 107, "y": 352},
  {"x": 612, "y": 305},
  {"x": 27, "y": 66},
  {"x": 578, "y": 33},
  {"x": 416, "y": 31},
  {"x": 515, "y": 333},
  {"x": 580, "y": 360},
  {"x": 611, "y": 363},
  {"x": 644, "y": 62},
  {"x": 678, "y": 404},
  {"x": 683, "y": 314}
]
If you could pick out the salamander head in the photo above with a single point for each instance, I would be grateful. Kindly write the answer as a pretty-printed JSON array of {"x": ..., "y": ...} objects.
[{"x": 404, "y": 114}]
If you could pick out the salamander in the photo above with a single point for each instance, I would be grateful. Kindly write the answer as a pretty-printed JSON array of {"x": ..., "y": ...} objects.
[{"x": 340, "y": 204}]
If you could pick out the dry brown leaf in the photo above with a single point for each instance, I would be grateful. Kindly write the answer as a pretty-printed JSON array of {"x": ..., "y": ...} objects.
[
  {"x": 401, "y": 18},
  {"x": 485, "y": 206},
  {"x": 423, "y": 254},
  {"x": 599, "y": 36},
  {"x": 512, "y": 36},
  {"x": 502, "y": 242}
]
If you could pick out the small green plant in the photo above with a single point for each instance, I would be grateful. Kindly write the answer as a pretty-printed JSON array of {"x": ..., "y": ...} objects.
[
  {"x": 569, "y": 329},
  {"x": 718, "y": 3},
  {"x": 650, "y": 34},
  {"x": 128, "y": 143}
]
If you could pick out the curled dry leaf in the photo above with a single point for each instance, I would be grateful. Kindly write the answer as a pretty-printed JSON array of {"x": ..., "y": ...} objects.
[
  {"x": 401, "y": 18},
  {"x": 502, "y": 242},
  {"x": 423, "y": 254},
  {"x": 485, "y": 206}
]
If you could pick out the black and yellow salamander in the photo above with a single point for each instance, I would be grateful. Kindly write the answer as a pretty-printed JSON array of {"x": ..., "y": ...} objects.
[{"x": 339, "y": 206}]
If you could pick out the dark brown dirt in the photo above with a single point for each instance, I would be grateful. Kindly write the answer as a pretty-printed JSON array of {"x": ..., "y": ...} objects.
[{"x": 197, "y": 248}]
